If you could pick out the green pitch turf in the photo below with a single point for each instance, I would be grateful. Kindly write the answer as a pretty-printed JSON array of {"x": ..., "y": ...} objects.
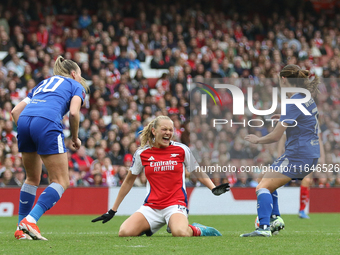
[{"x": 77, "y": 235}]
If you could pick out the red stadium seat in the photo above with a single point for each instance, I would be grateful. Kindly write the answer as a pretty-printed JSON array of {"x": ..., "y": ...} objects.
[
  {"x": 152, "y": 82},
  {"x": 68, "y": 19},
  {"x": 32, "y": 30},
  {"x": 33, "y": 25},
  {"x": 259, "y": 38},
  {"x": 129, "y": 22}
]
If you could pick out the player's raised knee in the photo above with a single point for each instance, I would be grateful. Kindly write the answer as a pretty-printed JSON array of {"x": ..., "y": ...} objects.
[{"x": 123, "y": 232}]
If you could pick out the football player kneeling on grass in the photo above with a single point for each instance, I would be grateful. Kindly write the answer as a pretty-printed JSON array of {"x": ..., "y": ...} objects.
[{"x": 164, "y": 163}]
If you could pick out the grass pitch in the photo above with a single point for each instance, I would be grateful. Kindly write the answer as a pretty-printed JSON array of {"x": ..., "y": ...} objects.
[{"x": 77, "y": 235}]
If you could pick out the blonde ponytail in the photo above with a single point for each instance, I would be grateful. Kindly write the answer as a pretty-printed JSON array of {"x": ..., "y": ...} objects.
[
  {"x": 63, "y": 67},
  {"x": 146, "y": 134}
]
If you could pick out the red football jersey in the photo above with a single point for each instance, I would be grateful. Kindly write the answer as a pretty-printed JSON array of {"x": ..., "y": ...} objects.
[{"x": 165, "y": 172}]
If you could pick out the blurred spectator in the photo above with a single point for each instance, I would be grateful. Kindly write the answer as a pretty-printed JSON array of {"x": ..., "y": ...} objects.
[
  {"x": 142, "y": 23},
  {"x": 141, "y": 56},
  {"x": 115, "y": 154},
  {"x": 157, "y": 62},
  {"x": 109, "y": 171},
  {"x": 90, "y": 146},
  {"x": 85, "y": 19},
  {"x": 7, "y": 177},
  {"x": 94, "y": 176},
  {"x": 242, "y": 180},
  {"x": 4, "y": 22},
  {"x": 18, "y": 178},
  {"x": 8, "y": 165},
  {"x": 16, "y": 65},
  {"x": 120, "y": 176},
  {"x": 122, "y": 63},
  {"x": 5, "y": 41},
  {"x": 133, "y": 62},
  {"x": 127, "y": 161},
  {"x": 238, "y": 151},
  {"x": 42, "y": 35},
  {"x": 81, "y": 161},
  {"x": 192, "y": 46},
  {"x": 74, "y": 41},
  {"x": 8, "y": 133},
  {"x": 99, "y": 155}
]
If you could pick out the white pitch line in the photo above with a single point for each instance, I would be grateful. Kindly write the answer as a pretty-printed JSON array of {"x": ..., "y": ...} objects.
[
  {"x": 133, "y": 246},
  {"x": 81, "y": 233}
]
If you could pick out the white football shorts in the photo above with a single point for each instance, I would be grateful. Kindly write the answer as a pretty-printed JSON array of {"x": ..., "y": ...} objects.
[{"x": 158, "y": 218}]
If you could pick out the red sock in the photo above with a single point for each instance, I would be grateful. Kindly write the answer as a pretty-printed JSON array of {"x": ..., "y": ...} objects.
[
  {"x": 304, "y": 197},
  {"x": 196, "y": 230}
]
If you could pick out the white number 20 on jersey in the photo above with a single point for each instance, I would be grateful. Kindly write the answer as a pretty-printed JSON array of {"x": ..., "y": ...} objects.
[{"x": 54, "y": 83}]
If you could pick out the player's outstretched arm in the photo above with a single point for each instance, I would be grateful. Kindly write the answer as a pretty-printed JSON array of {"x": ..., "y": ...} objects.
[
  {"x": 205, "y": 180},
  {"x": 123, "y": 191},
  {"x": 272, "y": 137}
]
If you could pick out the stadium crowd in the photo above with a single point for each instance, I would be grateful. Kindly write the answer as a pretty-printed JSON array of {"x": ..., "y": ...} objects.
[{"x": 108, "y": 39}]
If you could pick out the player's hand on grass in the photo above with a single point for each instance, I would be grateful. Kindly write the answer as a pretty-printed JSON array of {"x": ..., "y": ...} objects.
[
  {"x": 220, "y": 189},
  {"x": 106, "y": 216},
  {"x": 252, "y": 138}
]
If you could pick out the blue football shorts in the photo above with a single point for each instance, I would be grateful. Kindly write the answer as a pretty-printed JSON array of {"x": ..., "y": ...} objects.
[
  {"x": 40, "y": 135},
  {"x": 295, "y": 168}
]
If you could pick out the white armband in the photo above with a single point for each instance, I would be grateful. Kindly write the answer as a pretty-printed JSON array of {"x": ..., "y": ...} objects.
[{"x": 27, "y": 100}]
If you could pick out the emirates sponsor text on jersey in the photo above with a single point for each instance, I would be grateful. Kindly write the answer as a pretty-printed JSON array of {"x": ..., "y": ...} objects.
[{"x": 163, "y": 165}]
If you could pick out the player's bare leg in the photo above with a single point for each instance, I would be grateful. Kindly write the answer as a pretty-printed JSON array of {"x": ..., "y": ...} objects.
[
  {"x": 179, "y": 225},
  {"x": 272, "y": 181},
  {"x": 135, "y": 225},
  {"x": 57, "y": 168},
  {"x": 32, "y": 164}
]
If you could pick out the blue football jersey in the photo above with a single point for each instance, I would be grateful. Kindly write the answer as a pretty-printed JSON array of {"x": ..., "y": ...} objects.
[
  {"x": 51, "y": 98},
  {"x": 302, "y": 140}
]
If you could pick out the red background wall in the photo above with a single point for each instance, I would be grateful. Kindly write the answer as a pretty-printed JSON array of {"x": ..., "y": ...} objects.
[{"x": 95, "y": 200}]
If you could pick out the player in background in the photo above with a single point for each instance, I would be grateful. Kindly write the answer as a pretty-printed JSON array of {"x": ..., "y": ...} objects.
[
  {"x": 308, "y": 180},
  {"x": 40, "y": 137},
  {"x": 302, "y": 149},
  {"x": 164, "y": 163}
]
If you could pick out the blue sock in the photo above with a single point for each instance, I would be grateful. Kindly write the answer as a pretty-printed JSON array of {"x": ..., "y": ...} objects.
[
  {"x": 275, "y": 197},
  {"x": 47, "y": 200},
  {"x": 264, "y": 207},
  {"x": 27, "y": 197}
]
